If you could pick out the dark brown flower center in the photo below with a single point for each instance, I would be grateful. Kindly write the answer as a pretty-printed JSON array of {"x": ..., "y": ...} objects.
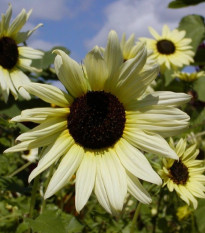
[
  {"x": 165, "y": 47},
  {"x": 96, "y": 120},
  {"x": 8, "y": 53},
  {"x": 179, "y": 173}
]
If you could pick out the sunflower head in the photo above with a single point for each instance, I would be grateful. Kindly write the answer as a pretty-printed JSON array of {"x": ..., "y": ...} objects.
[
  {"x": 14, "y": 58},
  {"x": 100, "y": 126},
  {"x": 189, "y": 77},
  {"x": 171, "y": 49},
  {"x": 185, "y": 176}
]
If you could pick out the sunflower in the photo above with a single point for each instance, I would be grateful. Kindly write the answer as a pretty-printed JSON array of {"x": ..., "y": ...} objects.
[
  {"x": 171, "y": 49},
  {"x": 189, "y": 77},
  {"x": 185, "y": 176},
  {"x": 14, "y": 58},
  {"x": 100, "y": 126}
]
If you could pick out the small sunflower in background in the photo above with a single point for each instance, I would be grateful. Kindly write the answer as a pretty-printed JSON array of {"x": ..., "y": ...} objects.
[
  {"x": 13, "y": 58},
  {"x": 172, "y": 49},
  {"x": 189, "y": 77},
  {"x": 185, "y": 176},
  {"x": 98, "y": 129}
]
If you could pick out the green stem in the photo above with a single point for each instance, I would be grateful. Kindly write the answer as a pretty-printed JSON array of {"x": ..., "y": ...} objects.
[
  {"x": 46, "y": 185},
  {"x": 134, "y": 220},
  {"x": 33, "y": 196},
  {"x": 20, "y": 169}
]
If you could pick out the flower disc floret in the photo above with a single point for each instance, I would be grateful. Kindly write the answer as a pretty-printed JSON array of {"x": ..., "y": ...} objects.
[
  {"x": 179, "y": 172},
  {"x": 96, "y": 120},
  {"x": 8, "y": 53},
  {"x": 165, "y": 47}
]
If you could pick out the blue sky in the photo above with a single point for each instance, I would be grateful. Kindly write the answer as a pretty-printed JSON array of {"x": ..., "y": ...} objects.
[{"x": 81, "y": 24}]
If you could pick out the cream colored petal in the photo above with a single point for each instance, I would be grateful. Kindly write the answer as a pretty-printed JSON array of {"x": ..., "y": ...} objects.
[
  {"x": 154, "y": 33},
  {"x": 20, "y": 37},
  {"x": 136, "y": 85},
  {"x": 30, "y": 52},
  {"x": 50, "y": 94},
  {"x": 67, "y": 167},
  {"x": 52, "y": 153},
  {"x": 70, "y": 73},
  {"x": 128, "y": 46},
  {"x": 114, "y": 59},
  {"x": 167, "y": 98},
  {"x": 133, "y": 66},
  {"x": 18, "y": 23},
  {"x": 181, "y": 147},
  {"x": 3, "y": 86},
  {"x": 114, "y": 179},
  {"x": 189, "y": 152},
  {"x": 9, "y": 83},
  {"x": 185, "y": 192},
  {"x": 149, "y": 142},
  {"x": 85, "y": 179},
  {"x": 19, "y": 79},
  {"x": 38, "y": 115},
  {"x": 101, "y": 194},
  {"x": 136, "y": 189},
  {"x": 135, "y": 162},
  {"x": 45, "y": 129},
  {"x": 8, "y": 17},
  {"x": 25, "y": 63},
  {"x": 166, "y": 121},
  {"x": 30, "y": 144},
  {"x": 96, "y": 69}
]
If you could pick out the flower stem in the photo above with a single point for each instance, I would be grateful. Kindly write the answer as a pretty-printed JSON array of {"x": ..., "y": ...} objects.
[
  {"x": 33, "y": 196},
  {"x": 46, "y": 185},
  {"x": 20, "y": 169},
  {"x": 134, "y": 220}
]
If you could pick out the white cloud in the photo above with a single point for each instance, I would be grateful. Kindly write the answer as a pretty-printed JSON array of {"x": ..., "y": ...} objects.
[
  {"x": 41, "y": 44},
  {"x": 42, "y": 9},
  {"x": 135, "y": 16},
  {"x": 48, "y": 9}
]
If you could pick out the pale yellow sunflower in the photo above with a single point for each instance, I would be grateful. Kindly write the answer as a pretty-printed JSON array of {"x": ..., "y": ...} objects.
[
  {"x": 98, "y": 129},
  {"x": 13, "y": 57},
  {"x": 172, "y": 49},
  {"x": 185, "y": 176},
  {"x": 189, "y": 77}
]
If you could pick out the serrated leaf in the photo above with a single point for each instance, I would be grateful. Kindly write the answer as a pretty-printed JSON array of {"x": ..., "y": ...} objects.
[
  {"x": 193, "y": 25},
  {"x": 48, "y": 222}
]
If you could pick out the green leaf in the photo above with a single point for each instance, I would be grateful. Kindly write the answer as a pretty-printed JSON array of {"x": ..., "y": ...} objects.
[
  {"x": 48, "y": 222},
  {"x": 71, "y": 224},
  {"x": 184, "y": 3},
  {"x": 199, "y": 59},
  {"x": 199, "y": 87},
  {"x": 22, "y": 228},
  {"x": 200, "y": 217},
  {"x": 195, "y": 29},
  {"x": 168, "y": 77},
  {"x": 12, "y": 184},
  {"x": 48, "y": 58}
]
